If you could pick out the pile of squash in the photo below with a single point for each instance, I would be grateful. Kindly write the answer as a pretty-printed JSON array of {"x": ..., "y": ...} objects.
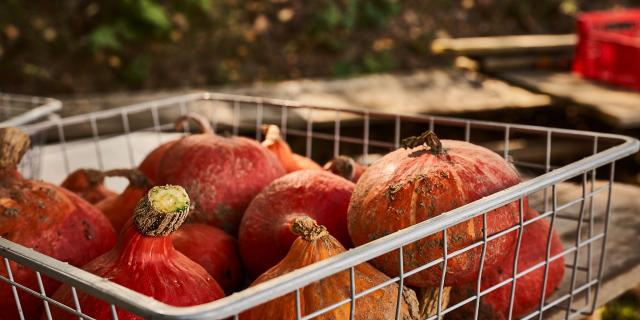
[{"x": 207, "y": 215}]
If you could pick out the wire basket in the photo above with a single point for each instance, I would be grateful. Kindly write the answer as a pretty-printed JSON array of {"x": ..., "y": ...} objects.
[
  {"x": 18, "y": 110},
  {"x": 321, "y": 133}
]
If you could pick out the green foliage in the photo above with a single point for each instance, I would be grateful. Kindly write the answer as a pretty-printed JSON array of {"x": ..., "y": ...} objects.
[
  {"x": 378, "y": 62},
  {"x": 134, "y": 21},
  {"x": 330, "y": 16},
  {"x": 105, "y": 37},
  {"x": 48, "y": 46}
]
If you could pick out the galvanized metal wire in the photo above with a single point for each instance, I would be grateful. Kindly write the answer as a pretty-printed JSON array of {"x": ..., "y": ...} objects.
[{"x": 16, "y": 110}]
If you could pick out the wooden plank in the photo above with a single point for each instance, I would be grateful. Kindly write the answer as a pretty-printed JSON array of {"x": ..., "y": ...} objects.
[
  {"x": 618, "y": 106},
  {"x": 434, "y": 91},
  {"x": 481, "y": 46}
]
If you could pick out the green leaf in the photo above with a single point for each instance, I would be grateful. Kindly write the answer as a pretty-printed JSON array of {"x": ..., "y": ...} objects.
[
  {"x": 153, "y": 14},
  {"x": 104, "y": 37}
]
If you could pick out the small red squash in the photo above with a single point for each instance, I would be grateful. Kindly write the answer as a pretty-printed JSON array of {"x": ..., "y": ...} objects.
[
  {"x": 88, "y": 184},
  {"x": 213, "y": 249},
  {"x": 290, "y": 161},
  {"x": 146, "y": 261},
  {"x": 47, "y": 218},
  {"x": 345, "y": 167},
  {"x": 317, "y": 194},
  {"x": 421, "y": 181},
  {"x": 533, "y": 250},
  {"x": 221, "y": 174},
  {"x": 316, "y": 244},
  {"x": 119, "y": 209}
]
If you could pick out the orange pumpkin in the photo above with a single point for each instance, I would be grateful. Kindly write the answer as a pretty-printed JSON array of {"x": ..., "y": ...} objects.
[
  {"x": 280, "y": 148},
  {"x": 423, "y": 180},
  {"x": 315, "y": 244},
  {"x": 120, "y": 208},
  {"x": 47, "y": 218}
]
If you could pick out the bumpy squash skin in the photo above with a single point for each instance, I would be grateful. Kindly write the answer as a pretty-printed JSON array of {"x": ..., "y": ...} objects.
[
  {"x": 220, "y": 174},
  {"x": 88, "y": 184},
  {"x": 408, "y": 186},
  {"x": 265, "y": 235},
  {"x": 214, "y": 250},
  {"x": 146, "y": 261},
  {"x": 53, "y": 221},
  {"x": 533, "y": 250},
  {"x": 380, "y": 304}
]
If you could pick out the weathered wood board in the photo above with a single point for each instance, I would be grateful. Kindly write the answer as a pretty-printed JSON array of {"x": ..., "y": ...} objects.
[
  {"x": 481, "y": 46},
  {"x": 618, "y": 106},
  {"x": 435, "y": 91}
]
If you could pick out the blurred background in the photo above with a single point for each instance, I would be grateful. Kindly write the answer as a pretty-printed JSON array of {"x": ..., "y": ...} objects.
[
  {"x": 101, "y": 54},
  {"x": 61, "y": 47}
]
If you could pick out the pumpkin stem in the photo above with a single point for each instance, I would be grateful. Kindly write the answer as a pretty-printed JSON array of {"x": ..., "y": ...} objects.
[
  {"x": 343, "y": 166},
  {"x": 13, "y": 144},
  {"x": 308, "y": 228},
  {"x": 162, "y": 210},
  {"x": 92, "y": 177},
  {"x": 428, "y": 138},
  {"x": 201, "y": 122},
  {"x": 136, "y": 177},
  {"x": 271, "y": 132},
  {"x": 428, "y": 298}
]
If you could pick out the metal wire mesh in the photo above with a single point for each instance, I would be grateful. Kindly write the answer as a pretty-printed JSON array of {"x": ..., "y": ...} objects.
[
  {"x": 17, "y": 110},
  {"x": 322, "y": 133}
]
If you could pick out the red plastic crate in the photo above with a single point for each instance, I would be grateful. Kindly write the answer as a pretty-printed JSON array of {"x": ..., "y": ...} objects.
[{"x": 609, "y": 47}]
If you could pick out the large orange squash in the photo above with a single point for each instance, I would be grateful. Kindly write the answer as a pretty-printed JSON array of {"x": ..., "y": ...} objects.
[
  {"x": 315, "y": 244},
  {"x": 421, "y": 181}
]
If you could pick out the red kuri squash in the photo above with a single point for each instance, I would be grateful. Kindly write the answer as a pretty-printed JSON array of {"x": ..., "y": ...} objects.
[
  {"x": 421, "y": 181},
  {"x": 47, "y": 218},
  {"x": 221, "y": 174},
  {"x": 533, "y": 250},
  {"x": 314, "y": 193},
  {"x": 149, "y": 166},
  {"x": 213, "y": 249},
  {"x": 146, "y": 261},
  {"x": 315, "y": 244}
]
